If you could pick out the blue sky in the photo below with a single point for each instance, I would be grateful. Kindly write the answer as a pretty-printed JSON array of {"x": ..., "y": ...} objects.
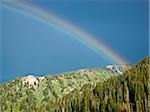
[{"x": 30, "y": 46}]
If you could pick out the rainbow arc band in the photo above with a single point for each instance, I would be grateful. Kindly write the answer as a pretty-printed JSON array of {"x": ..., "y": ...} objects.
[{"x": 35, "y": 12}]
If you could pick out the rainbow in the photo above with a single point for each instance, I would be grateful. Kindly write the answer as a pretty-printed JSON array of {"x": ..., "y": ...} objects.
[{"x": 60, "y": 24}]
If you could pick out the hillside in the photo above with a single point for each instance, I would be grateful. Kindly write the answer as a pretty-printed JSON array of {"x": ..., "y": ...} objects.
[
  {"x": 123, "y": 93},
  {"x": 113, "y": 88},
  {"x": 31, "y": 92}
]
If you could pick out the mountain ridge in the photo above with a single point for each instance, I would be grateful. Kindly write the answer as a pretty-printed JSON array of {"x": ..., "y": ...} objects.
[
  {"x": 51, "y": 86},
  {"x": 85, "y": 90},
  {"x": 124, "y": 93},
  {"x": 123, "y": 67}
]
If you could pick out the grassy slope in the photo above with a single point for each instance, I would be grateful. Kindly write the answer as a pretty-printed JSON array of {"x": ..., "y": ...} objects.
[
  {"x": 17, "y": 96},
  {"x": 124, "y": 93}
]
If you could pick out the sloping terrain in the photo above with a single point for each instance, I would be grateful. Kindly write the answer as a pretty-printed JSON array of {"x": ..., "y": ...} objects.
[
  {"x": 123, "y": 93},
  {"x": 31, "y": 92},
  {"x": 115, "y": 88}
]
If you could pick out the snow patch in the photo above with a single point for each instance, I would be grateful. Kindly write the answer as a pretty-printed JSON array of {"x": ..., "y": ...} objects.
[{"x": 114, "y": 68}]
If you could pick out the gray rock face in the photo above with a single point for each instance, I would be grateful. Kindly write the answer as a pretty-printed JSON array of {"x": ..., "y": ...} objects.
[{"x": 118, "y": 68}]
